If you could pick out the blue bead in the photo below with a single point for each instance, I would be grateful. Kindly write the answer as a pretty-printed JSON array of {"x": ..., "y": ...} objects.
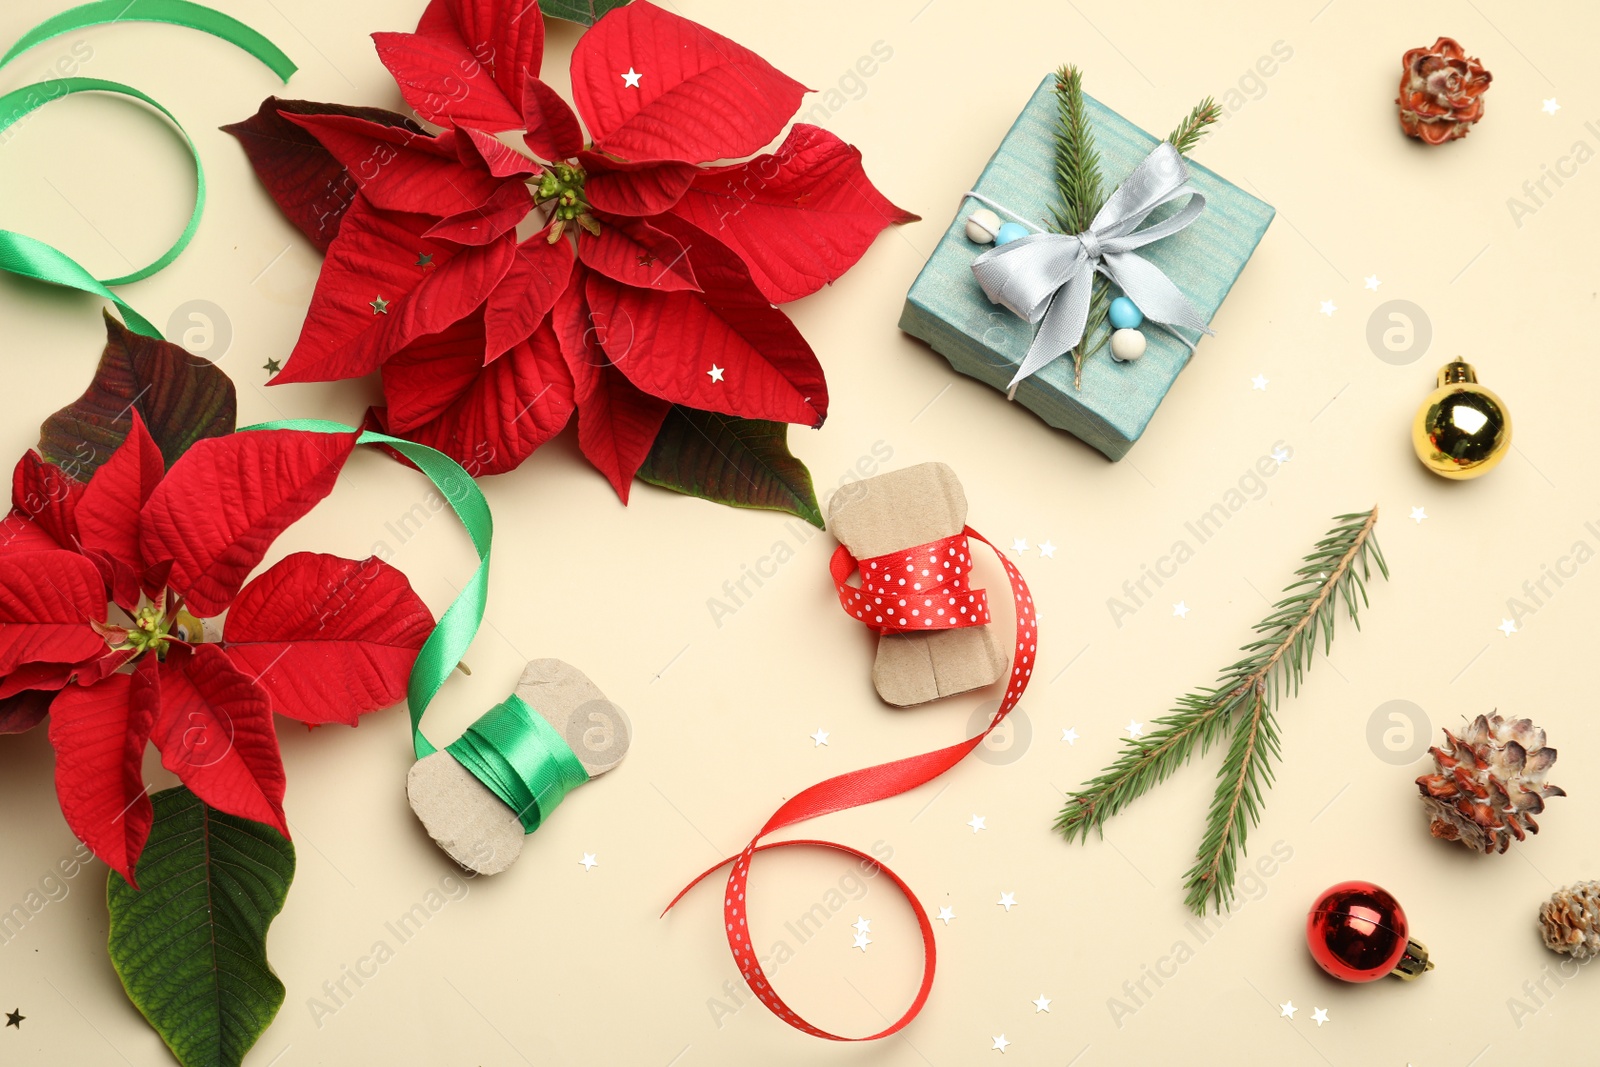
[
  {"x": 1010, "y": 232},
  {"x": 1125, "y": 314}
]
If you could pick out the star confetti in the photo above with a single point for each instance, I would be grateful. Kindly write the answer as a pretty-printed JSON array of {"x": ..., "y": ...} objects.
[
  {"x": 862, "y": 941},
  {"x": 1319, "y": 1016},
  {"x": 1070, "y": 735},
  {"x": 1135, "y": 729},
  {"x": 862, "y": 925},
  {"x": 976, "y": 822},
  {"x": 1000, "y": 1044},
  {"x": 819, "y": 738},
  {"x": 272, "y": 366},
  {"x": 1019, "y": 544},
  {"x": 715, "y": 373},
  {"x": 631, "y": 79},
  {"x": 1180, "y": 610},
  {"x": 1287, "y": 1009},
  {"x": 589, "y": 862},
  {"x": 379, "y": 306},
  {"x": 1507, "y": 627},
  {"x": 1328, "y": 307},
  {"x": 1550, "y": 106},
  {"x": 945, "y": 915},
  {"x": 1047, "y": 550},
  {"x": 1418, "y": 514},
  {"x": 1259, "y": 382},
  {"x": 1042, "y": 1004},
  {"x": 14, "y": 1018},
  {"x": 1007, "y": 901}
]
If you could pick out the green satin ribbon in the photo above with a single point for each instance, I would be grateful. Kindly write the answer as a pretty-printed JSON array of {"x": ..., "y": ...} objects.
[
  {"x": 521, "y": 758},
  {"x": 516, "y": 754},
  {"x": 32, "y": 258}
]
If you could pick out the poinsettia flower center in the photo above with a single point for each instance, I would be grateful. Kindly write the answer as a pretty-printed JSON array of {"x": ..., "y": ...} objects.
[
  {"x": 153, "y": 628},
  {"x": 150, "y": 630},
  {"x": 560, "y": 188}
]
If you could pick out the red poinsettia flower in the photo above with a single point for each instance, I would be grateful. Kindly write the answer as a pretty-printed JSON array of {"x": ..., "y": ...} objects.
[
  {"x": 104, "y": 589},
  {"x": 615, "y": 276}
]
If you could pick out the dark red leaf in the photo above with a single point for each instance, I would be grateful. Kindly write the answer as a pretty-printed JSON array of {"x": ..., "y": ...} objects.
[
  {"x": 467, "y": 62},
  {"x": 25, "y": 710},
  {"x": 487, "y": 418},
  {"x": 539, "y": 273},
  {"x": 621, "y": 188},
  {"x": 47, "y": 602},
  {"x": 617, "y": 423},
  {"x": 496, "y": 217},
  {"x": 218, "y": 510},
  {"x": 309, "y": 185},
  {"x": 552, "y": 128},
  {"x": 398, "y": 170},
  {"x": 799, "y": 218},
  {"x": 698, "y": 96},
  {"x": 725, "y": 349},
  {"x": 181, "y": 397},
  {"x": 43, "y": 492},
  {"x": 382, "y": 286},
  {"x": 108, "y": 515},
  {"x": 215, "y": 732},
  {"x": 329, "y": 639},
  {"x": 635, "y": 253},
  {"x": 99, "y": 733}
]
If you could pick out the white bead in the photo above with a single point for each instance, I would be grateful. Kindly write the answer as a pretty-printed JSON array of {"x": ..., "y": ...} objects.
[
  {"x": 1127, "y": 345},
  {"x": 982, "y": 225}
]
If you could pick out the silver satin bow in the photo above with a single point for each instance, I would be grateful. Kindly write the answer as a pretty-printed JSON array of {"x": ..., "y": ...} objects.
[{"x": 1050, "y": 276}]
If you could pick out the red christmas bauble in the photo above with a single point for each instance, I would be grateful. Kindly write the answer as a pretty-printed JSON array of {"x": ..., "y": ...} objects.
[{"x": 1357, "y": 931}]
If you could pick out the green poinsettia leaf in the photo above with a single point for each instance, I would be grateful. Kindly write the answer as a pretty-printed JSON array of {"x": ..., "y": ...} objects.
[
  {"x": 583, "y": 11},
  {"x": 190, "y": 944},
  {"x": 742, "y": 462},
  {"x": 181, "y": 397}
]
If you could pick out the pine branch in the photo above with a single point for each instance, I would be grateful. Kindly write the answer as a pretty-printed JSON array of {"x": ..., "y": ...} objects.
[
  {"x": 1194, "y": 125},
  {"x": 1243, "y": 702},
  {"x": 1080, "y": 193},
  {"x": 1077, "y": 162}
]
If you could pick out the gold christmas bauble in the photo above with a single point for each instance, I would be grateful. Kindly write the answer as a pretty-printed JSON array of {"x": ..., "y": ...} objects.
[{"x": 1462, "y": 430}]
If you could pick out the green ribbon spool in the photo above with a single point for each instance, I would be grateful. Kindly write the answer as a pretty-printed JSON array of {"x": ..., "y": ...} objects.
[
  {"x": 29, "y": 257},
  {"x": 515, "y": 753}
]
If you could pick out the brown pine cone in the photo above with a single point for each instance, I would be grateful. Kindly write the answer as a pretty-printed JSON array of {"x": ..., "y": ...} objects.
[
  {"x": 1489, "y": 783},
  {"x": 1570, "y": 920}
]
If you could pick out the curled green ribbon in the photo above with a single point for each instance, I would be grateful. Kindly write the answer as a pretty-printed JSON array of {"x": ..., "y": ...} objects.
[
  {"x": 31, "y": 258},
  {"x": 514, "y": 752}
]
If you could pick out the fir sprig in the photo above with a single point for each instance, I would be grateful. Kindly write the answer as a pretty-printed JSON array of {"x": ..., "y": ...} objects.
[
  {"x": 1081, "y": 195},
  {"x": 1077, "y": 161},
  {"x": 1243, "y": 704},
  {"x": 1081, "y": 192},
  {"x": 1193, "y": 127}
]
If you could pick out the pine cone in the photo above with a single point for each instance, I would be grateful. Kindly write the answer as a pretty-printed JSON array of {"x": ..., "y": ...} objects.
[
  {"x": 1570, "y": 920},
  {"x": 1489, "y": 783}
]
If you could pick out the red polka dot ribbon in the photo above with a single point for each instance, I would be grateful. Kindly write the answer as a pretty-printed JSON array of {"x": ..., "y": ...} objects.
[
  {"x": 922, "y": 588},
  {"x": 886, "y": 780}
]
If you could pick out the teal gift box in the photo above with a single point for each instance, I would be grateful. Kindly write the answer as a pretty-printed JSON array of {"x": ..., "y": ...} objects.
[{"x": 947, "y": 309}]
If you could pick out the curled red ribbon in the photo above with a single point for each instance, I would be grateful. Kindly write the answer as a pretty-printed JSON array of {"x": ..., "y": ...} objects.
[{"x": 944, "y": 588}]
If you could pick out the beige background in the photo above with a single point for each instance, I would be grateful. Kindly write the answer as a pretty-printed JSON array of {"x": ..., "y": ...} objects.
[{"x": 551, "y": 965}]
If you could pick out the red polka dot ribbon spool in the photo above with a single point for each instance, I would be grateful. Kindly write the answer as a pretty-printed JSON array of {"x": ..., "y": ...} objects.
[
  {"x": 922, "y": 588},
  {"x": 943, "y": 588}
]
